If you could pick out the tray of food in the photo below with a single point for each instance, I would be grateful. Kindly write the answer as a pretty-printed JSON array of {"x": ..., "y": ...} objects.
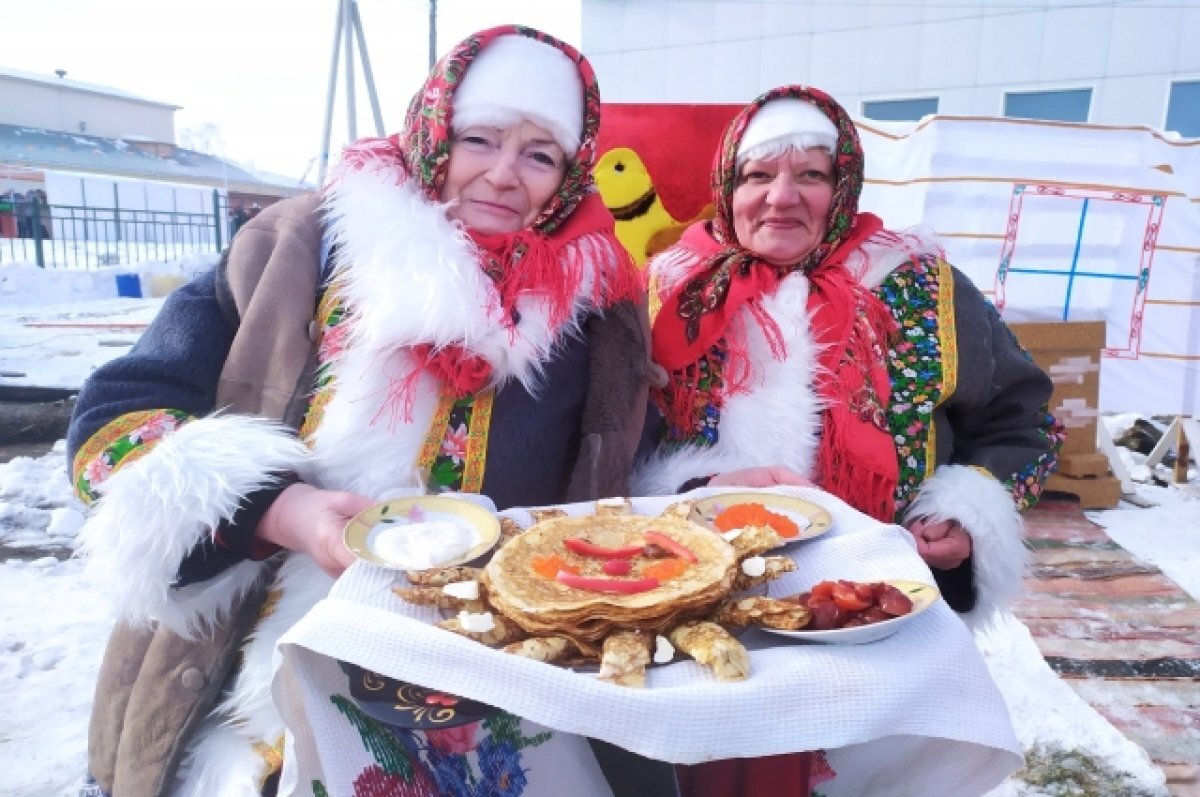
[{"x": 624, "y": 591}]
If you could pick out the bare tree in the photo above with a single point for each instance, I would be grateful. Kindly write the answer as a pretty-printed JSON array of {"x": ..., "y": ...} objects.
[{"x": 203, "y": 137}]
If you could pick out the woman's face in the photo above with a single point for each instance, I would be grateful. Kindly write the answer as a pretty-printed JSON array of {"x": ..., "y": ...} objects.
[
  {"x": 780, "y": 206},
  {"x": 499, "y": 179}
]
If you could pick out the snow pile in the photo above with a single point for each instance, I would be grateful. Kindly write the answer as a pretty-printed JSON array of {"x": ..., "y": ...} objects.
[
  {"x": 52, "y": 634},
  {"x": 37, "y": 506},
  {"x": 1048, "y": 713},
  {"x": 26, "y": 285}
]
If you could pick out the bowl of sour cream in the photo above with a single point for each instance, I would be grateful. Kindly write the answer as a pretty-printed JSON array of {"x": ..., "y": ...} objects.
[{"x": 422, "y": 532}]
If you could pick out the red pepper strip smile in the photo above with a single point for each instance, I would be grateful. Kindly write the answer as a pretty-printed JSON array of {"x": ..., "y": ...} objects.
[
  {"x": 585, "y": 548},
  {"x": 621, "y": 586},
  {"x": 668, "y": 544}
]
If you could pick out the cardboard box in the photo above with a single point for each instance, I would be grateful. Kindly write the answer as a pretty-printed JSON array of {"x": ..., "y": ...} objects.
[
  {"x": 1069, "y": 353},
  {"x": 1101, "y": 492},
  {"x": 1046, "y": 335},
  {"x": 1083, "y": 465}
]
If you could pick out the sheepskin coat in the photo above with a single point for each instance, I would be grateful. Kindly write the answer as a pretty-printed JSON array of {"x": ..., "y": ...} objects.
[{"x": 204, "y": 412}]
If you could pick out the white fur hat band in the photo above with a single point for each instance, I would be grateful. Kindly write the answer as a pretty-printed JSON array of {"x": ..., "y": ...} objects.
[
  {"x": 783, "y": 123},
  {"x": 517, "y": 78}
]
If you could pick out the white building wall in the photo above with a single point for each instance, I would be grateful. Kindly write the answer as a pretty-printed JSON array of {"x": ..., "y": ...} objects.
[
  {"x": 967, "y": 53},
  {"x": 71, "y": 110}
]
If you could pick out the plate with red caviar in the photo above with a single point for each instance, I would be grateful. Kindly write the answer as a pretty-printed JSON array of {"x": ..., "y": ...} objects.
[{"x": 793, "y": 519}]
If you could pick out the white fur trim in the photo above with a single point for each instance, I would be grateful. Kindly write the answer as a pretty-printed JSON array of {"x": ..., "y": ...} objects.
[
  {"x": 409, "y": 275},
  {"x": 886, "y": 251},
  {"x": 155, "y": 510},
  {"x": 783, "y": 123},
  {"x": 670, "y": 268},
  {"x": 221, "y": 759},
  {"x": 519, "y": 77},
  {"x": 776, "y": 422},
  {"x": 986, "y": 510}
]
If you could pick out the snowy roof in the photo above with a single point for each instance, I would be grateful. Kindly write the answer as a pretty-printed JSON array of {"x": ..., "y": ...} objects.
[
  {"x": 38, "y": 148},
  {"x": 78, "y": 85}
]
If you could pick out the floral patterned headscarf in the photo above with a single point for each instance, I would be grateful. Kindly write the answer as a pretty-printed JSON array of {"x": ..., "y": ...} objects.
[
  {"x": 424, "y": 143},
  {"x": 847, "y": 169}
]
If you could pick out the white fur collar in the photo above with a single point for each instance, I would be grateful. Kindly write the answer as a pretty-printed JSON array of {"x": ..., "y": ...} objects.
[
  {"x": 409, "y": 275},
  {"x": 776, "y": 421},
  {"x": 886, "y": 251}
]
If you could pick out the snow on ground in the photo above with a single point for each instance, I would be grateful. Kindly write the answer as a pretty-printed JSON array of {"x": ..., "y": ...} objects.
[
  {"x": 53, "y": 623},
  {"x": 1167, "y": 537},
  {"x": 1046, "y": 711},
  {"x": 37, "y": 509},
  {"x": 59, "y": 324},
  {"x": 52, "y": 633},
  {"x": 75, "y": 339}
]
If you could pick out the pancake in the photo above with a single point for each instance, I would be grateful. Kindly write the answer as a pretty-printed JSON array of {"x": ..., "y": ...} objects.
[{"x": 543, "y": 605}]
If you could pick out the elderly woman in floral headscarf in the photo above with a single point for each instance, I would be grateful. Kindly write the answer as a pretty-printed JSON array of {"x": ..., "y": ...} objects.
[
  {"x": 803, "y": 335},
  {"x": 453, "y": 307}
]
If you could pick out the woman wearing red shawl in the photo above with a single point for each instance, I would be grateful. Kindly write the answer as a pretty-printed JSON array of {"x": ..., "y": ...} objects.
[
  {"x": 803, "y": 337},
  {"x": 452, "y": 308}
]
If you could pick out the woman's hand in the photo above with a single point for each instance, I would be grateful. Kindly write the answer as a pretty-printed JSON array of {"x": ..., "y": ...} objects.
[
  {"x": 944, "y": 545},
  {"x": 760, "y": 477},
  {"x": 310, "y": 520}
]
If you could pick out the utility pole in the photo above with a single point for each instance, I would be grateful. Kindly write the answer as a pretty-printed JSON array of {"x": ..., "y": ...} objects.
[
  {"x": 432, "y": 33},
  {"x": 347, "y": 30}
]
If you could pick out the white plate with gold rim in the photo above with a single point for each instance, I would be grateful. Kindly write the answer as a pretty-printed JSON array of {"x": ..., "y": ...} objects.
[
  {"x": 406, "y": 533},
  {"x": 812, "y": 520}
]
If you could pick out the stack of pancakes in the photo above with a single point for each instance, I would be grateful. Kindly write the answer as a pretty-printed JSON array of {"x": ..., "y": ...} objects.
[{"x": 546, "y": 607}]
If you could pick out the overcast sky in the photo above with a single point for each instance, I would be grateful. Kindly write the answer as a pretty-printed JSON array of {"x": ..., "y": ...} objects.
[{"x": 257, "y": 68}]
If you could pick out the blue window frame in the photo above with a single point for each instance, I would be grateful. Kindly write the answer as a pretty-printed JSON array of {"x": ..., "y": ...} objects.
[
  {"x": 1071, "y": 105},
  {"x": 1183, "y": 109},
  {"x": 900, "y": 110}
]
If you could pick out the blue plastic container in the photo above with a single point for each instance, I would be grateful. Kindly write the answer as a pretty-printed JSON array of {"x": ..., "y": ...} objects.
[{"x": 129, "y": 286}]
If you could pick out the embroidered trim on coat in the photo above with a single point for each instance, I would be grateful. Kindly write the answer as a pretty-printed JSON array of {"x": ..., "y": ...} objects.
[
  {"x": 916, "y": 367},
  {"x": 455, "y": 450},
  {"x": 331, "y": 337},
  {"x": 123, "y": 440},
  {"x": 948, "y": 334}
]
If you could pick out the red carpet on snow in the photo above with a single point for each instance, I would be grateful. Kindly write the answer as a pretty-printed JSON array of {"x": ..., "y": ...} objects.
[{"x": 1121, "y": 633}]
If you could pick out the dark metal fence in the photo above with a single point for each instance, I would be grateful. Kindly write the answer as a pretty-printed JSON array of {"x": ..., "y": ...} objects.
[{"x": 81, "y": 236}]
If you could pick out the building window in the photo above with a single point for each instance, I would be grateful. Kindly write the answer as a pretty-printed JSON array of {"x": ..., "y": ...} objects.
[
  {"x": 900, "y": 110},
  {"x": 1054, "y": 106},
  {"x": 1183, "y": 109}
]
